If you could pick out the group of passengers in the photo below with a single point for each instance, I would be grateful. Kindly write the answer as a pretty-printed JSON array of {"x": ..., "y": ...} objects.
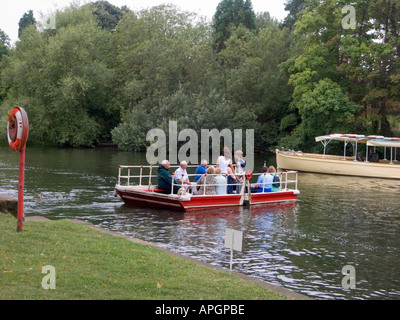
[{"x": 218, "y": 180}]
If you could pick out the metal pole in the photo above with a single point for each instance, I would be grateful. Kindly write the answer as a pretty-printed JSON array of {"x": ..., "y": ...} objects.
[
  {"x": 151, "y": 169},
  {"x": 230, "y": 268},
  {"x": 391, "y": 155},
  {"x": 172, "y": 184},
  {"x": 286, "y": 181},
  {"x": 226, "y": 183},
  {"x": 119, "y": 175},
  {"x": 20, "y": 212},
  {"x": 263, "y": 189},
  {"x": 355, "y": 154}
]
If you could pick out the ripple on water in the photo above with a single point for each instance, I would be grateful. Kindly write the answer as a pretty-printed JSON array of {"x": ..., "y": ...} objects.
[{"x": 302, "y": 246}]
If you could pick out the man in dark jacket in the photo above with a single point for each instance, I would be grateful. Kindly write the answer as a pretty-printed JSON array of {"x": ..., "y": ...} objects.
[{"x": 165, "y": 179}]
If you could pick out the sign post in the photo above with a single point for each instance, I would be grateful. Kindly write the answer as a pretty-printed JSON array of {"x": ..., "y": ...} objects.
[
  {"x": 233, "y": 241},
  {"x": 17, "y": 135}
]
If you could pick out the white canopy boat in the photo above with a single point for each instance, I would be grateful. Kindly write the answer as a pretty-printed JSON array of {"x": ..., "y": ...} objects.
[{"x": 345, "y": 165}]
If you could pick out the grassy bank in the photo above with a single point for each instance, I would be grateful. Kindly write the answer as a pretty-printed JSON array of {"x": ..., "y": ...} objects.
[{"x": 90, "y": 264}]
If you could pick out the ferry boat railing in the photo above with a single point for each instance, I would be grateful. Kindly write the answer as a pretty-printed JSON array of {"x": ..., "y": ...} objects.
[
  {"x": 141, "y": 177},
  {"x": 205, "y": 185},
  {"x": 285, "y": 177},
  {"x": 129, "y": 176}
]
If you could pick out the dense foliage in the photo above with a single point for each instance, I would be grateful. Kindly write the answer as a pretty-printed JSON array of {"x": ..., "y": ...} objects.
[{"x": 110, "y": 73}]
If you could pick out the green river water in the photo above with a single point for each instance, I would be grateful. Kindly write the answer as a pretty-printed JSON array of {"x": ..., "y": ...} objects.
[{"x": 303, "y": 246}]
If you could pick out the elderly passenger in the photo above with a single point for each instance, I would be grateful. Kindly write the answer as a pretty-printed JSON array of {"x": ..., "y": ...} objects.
[
  {"x": 207, "y": 182},
  {"x": 181, "y": 175},
  {"x": 201, "y": 169},
  {"x": 165, "y": 179}
]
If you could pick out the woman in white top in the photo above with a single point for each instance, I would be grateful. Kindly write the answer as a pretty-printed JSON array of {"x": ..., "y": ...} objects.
[
  {"x": 241, "y": 168},
  {"x": 224, "y": 161}
]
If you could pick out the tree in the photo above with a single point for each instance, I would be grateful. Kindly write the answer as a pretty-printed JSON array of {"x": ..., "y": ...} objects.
[
  {"x": 63, "y": 81},
  {"x": 26, "y": 20},
  {"x": 370, "y": 58},
  {"x": 256, "y": 90},
  {"x": 4, "y": 43},
  {"x": 229, "y": 15},
  {"x": 107, "y": 14},
  {"x": 294, "y": 7},
  {"x": 362, "y": 62},
  {"x": 167, "y": 73},
  {"x": 4, "y": 50}
]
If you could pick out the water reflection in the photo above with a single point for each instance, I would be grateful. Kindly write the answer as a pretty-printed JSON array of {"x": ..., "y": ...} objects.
[{"x": 303, "y": 246}]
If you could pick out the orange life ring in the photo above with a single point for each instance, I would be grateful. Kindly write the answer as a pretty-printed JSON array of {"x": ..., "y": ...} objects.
[
  {"x": 17, "y": 129},
  {"x": 249, "y": 174}
]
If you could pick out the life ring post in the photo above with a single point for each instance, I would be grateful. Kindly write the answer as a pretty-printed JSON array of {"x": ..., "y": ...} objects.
[
  {"x": 21, "y": 186},
  {"x": 17, "y": 135}
]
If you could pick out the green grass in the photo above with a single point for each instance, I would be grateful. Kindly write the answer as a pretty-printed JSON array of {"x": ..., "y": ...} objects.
[{"x": 90, "y": 264}]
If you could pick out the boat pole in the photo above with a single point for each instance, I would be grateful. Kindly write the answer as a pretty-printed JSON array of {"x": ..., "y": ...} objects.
[
  {"x": 355, "y": 154},
  {"x": 344, "y": 151},
  {"x": 391, "y": 155}
]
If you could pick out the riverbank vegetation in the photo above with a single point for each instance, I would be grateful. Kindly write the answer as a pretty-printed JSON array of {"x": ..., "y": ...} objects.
[
  {"x": 92, "y": 265},
  {"x": 109, "y": 73}
]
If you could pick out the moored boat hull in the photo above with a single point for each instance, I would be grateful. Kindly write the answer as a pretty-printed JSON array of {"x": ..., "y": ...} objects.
[{"x": 330, "y": 164}]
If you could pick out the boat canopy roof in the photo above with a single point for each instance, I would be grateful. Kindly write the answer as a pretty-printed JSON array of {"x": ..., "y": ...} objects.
[
  {"x": 373, "y": 140},
  {"x": 386, "y": 142},
  {"x": 344, "y": 137}
]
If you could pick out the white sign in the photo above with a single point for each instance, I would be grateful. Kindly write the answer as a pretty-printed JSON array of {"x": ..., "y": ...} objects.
[{"x": 234, "y": 239}]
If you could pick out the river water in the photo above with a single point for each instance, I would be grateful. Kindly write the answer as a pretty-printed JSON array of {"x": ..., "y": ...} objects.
[{"x": 303, "y": 246}]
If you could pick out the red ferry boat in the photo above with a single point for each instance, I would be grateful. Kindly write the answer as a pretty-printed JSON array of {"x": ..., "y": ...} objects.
[{"x": 134, "y": 192}]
